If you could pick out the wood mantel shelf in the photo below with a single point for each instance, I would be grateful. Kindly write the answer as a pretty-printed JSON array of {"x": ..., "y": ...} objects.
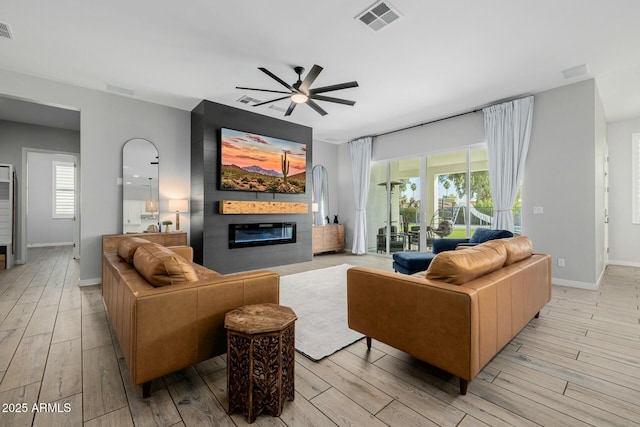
[{"x": 242, "y": 207}]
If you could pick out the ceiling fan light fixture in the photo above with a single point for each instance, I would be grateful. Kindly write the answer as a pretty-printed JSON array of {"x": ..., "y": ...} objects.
[{"x": 299, "y": 98}]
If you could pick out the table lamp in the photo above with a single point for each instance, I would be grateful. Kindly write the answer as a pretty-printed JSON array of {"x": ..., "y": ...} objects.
[{"x": 178, "y": 206}]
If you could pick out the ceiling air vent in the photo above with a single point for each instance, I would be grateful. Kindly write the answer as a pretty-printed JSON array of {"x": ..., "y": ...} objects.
[
  {"x": 379, "y": 15},
  {"x": 248, "y": 100},
  {"x": 277, "y": 108},
  {"x": 5, "y": 31}
]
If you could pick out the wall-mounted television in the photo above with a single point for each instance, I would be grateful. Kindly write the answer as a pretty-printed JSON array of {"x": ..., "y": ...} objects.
[{"x": 251, "y": 162}]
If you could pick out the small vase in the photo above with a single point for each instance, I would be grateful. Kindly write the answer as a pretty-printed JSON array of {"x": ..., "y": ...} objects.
[{"x": 166, "y": 229}]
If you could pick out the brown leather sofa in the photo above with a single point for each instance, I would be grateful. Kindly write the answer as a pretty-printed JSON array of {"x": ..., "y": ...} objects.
[
  {"x": 459, "y": 314},
  {"x": 179, "y": 321}
]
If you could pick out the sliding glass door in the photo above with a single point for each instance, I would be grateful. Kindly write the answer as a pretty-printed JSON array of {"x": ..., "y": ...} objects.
[
  {"x": 393, "y": 207},
  {"x": 414, "y": 201}
]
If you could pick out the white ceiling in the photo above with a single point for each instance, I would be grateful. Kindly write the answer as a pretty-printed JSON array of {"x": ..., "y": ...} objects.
[{"x": 440, "y": 58}]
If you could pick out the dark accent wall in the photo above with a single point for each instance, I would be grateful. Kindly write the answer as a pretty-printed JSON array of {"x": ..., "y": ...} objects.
[{"x": 209, "y": 229}]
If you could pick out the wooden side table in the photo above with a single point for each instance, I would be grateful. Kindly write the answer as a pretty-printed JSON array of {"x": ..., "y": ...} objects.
[{"x": 260, "y": 358}]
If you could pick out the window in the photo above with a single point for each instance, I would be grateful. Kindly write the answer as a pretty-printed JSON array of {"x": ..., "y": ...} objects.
[
  {"x": 64, "y": 190},
  {"x": 635, "y": 196}
]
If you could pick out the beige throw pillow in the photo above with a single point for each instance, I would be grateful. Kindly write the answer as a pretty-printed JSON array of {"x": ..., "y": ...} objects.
[
  {"x": 127, "y": 247},
  {"x": 161, "y": 267},
  {"x": 460, "y": 267}
]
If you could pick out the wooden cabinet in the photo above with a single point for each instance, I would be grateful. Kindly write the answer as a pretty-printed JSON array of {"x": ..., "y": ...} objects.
[
  {"x": 327, "y": 238},
  {"x": 176, "y": 238}
]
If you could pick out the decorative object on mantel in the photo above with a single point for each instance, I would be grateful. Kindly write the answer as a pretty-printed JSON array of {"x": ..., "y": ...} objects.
[
  {"x": 166, "y": 225},
  {"x": 178, "y": 206},
  {"x": 335, "y": 219},
  {"x": 230, "y": 207}
]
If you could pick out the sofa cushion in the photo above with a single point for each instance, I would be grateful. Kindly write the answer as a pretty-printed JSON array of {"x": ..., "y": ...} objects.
[
  {"x": 161, "y": 267},
  {"x": 482, "y": 235},
  {"x": 127, "y": 247},
  {"x": 518, "y": 248},
  {"x": 461, "y": 266}
]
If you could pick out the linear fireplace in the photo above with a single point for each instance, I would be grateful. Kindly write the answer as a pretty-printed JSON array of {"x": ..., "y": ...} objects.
[{"x": 260, "y": 234}]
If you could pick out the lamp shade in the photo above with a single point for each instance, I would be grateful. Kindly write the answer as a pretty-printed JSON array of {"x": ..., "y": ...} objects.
[
  {"x": 151, "y": 206},
  {"x": 179, "y": 205}
]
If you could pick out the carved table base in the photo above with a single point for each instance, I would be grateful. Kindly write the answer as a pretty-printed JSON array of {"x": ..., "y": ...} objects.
[{"x": 260, "y": 360}]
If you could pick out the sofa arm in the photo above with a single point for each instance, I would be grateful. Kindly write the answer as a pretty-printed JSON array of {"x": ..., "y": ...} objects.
[
  {"x": 433, "y": 321},
  {"x": 441, "y": 245}
]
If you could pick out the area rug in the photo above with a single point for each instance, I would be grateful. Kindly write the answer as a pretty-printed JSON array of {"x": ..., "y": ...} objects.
[{"x": 319, "y": 298}]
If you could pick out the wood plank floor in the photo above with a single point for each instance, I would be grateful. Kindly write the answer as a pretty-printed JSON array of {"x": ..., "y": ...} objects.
[{"x": 578, "y": 364}]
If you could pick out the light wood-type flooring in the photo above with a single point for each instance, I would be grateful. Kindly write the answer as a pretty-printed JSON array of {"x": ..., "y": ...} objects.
[{"x": 578, "y": 364}]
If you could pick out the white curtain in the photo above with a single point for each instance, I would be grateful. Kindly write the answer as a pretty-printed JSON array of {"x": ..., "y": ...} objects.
[
  {"x": 361, "y": 168},
  {"x": 320, "y": 188},
  {"x": 508, "y": 130}
]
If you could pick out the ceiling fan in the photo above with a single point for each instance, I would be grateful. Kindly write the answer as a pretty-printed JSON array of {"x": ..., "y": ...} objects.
[{"x": 301, "y": 93}]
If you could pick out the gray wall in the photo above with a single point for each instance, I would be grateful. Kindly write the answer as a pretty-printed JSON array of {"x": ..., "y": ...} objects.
[
  {"x": 42, "y": 229},
  {"x": 562, "y": 175},
  {"x": 106, "y": 123},
  {"x": 14, "y": 136},
  {"x": 624, "y": 237}
]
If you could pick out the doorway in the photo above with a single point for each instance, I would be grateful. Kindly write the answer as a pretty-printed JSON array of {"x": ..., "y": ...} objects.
[
  {"x": 50, "y": 195},
  {"x": 30, "y": 124}
]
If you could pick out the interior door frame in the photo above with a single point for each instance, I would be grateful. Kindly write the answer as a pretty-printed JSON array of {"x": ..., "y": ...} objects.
[{"x": 24, "y": 194}]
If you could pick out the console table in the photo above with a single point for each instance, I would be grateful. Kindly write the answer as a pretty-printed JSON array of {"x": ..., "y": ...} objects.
[
  {"x": 175, "y": 238},
  {"x": 327, "y": 238}
]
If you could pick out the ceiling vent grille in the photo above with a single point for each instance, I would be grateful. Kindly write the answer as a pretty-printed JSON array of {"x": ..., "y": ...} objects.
[
  {"x": 277, "y": 108},
  {"x": 248, "y": 100},
  {"x": 379, "y": 15},
  {"x": 5, "y": 31}
]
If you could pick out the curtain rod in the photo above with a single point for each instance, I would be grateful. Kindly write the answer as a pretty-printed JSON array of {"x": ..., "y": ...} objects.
[{"x": 477, "y": 110}]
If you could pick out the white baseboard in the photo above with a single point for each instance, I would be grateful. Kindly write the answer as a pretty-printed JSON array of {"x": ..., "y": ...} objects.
[
  {"x": 575, "y": 284},
  {"x": 624, "y": 263},
  {"x": 90, "y": 282},
  {"x": 45, "y": 245}
]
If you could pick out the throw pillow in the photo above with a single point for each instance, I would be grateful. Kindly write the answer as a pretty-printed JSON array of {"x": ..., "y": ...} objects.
[
  {"x": 161, "y": 267},
  {"x": 127, "y": 247},
  {"x": 518, "y": 248},
  {"x": 460, "y": 267}
]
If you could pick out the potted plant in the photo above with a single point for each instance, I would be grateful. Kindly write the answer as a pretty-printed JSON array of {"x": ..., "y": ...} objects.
[{"x": 166, "y": 225}]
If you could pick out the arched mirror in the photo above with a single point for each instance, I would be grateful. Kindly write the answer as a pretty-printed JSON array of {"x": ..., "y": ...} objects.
[
  {"x": 140, "y": 186},
  {"x": 320, "y": 195}
]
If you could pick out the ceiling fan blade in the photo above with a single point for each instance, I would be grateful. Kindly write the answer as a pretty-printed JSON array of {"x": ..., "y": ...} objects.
[
  {"x": 331, "y": 99},
  {"x": 273, "y": 100},
  {"x": 290, "y": 109},
  {"x": 311, "y": 77},
  {"x": 278, "y": 79},
  {"x": 316, "y": 107},
  {"x": 334, "y": 87},
  {"x": 261, "y": 90}
]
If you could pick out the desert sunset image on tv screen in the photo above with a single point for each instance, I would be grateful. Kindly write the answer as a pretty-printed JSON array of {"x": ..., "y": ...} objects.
[{"x": 251, "y": 162}]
